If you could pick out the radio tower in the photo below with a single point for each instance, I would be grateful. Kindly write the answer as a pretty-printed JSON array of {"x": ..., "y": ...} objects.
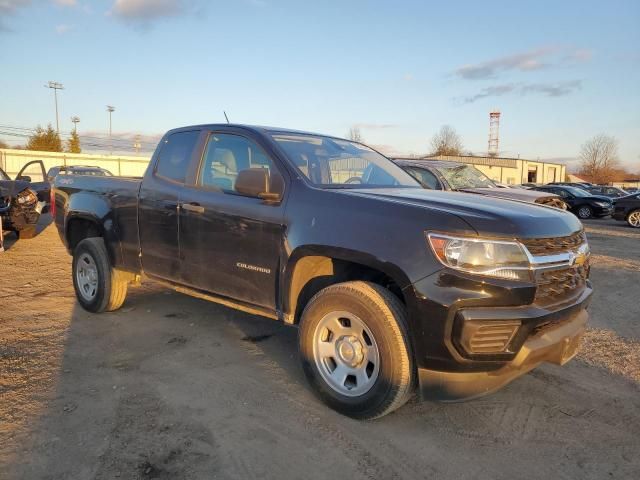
[{"x": 494, "y": 132}]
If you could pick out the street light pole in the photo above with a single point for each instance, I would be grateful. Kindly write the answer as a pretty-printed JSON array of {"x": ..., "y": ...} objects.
[
  {"x": 56, "y": 86},
  {"x": 110, "y": 109},
  {"x": 75, "y": 120}
]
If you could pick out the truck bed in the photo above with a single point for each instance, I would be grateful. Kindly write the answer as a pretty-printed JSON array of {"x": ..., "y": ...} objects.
[{"x": 114, "y": 200}]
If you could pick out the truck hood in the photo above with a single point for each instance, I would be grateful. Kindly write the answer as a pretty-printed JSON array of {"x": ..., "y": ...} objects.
[
  {"x": 512, "y": 193},
  {"x": 488, "y": 216}
]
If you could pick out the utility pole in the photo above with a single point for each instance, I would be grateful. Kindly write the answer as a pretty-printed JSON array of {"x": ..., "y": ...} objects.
[
  {"x": 136, "y": 143},
  {"x": 56, "y": 86},
  {"x": 75, "y": 120},
  {"x": 110, "y": 109}
]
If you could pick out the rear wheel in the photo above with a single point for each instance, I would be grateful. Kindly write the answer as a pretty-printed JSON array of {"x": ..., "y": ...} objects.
[
  {"x": 585, "y": 212},
  {"x": 98, "y": 286},
  {"x": 355, "y": 350},
  {"x": 633, "y": 219}
]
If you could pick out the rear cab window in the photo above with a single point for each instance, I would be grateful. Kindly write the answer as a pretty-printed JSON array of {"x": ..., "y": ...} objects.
[{"x": 175, "y": 155}]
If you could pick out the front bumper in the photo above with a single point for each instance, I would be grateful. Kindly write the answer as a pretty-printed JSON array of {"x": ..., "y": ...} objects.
[
  {"x": 603, "y": 211},
  {"x": 556, "y": 344}
]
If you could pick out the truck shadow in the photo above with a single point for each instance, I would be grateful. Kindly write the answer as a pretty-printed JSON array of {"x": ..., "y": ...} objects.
[{"x": 171, "y": 387}]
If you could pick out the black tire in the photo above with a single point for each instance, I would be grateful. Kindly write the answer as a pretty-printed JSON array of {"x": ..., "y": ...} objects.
[
  {"x": 584, "y": 212},
  {"x": 384, "y": 315},
  {"x": 111, "y": 288}
]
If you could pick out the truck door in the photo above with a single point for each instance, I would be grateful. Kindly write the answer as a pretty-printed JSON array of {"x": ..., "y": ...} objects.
[
  {"x": 158, "y": 205},
  {"x": 230, "y": 243}
]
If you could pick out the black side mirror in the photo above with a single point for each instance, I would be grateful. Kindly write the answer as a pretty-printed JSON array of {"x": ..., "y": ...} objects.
[
  {"x": 24, "y": 178},
  {"x": 256, "y": 182}
]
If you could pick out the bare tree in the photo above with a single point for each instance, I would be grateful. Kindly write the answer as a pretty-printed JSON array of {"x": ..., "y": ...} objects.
[
  {"x": 599, "y": 158},
  {"x": 446, "y": 142},
  {"x": 354, "y": 134}
]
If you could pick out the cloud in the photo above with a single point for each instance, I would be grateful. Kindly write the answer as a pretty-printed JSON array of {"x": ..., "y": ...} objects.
[
  {"x": 146, "y": 10},
  {"x": 536, "y": 59},
  {"x": 552, "y": 89},
  {"x": 66, "y": 3},
  {"x": 62, "y": 29},
  {"x": 10, "y": 7},
  {"x": 408, "y": 77},
  {"x": 526, "y": 61},
  {"x": 558, "y": 89},
  {"x": 579, "y": 55},
  {"x": 494, "y": 91}
]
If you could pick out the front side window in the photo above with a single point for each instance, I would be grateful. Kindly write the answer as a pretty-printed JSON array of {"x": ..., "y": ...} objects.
[
  {"x": 333, "y": 163},
  {"x": 225, "y": 156},
  {"x": 425, "y": 177},
  {"x": 175, "y": 154}
]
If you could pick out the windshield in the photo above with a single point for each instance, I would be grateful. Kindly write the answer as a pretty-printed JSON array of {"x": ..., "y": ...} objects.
[
  {"x": 577, "y": 192},
  {"x": 333, "y": 163},
  {"x": 466, "y": 176}
]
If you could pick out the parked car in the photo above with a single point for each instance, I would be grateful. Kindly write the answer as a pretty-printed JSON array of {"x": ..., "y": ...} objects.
[
  {"x": 628, "y": 209},
  {"x": 461, "y": 177},
  {"x": 573, "y": 184},
  {"x": 77, "y": 170},
  {"x": 581, "y": 202},
  {"x": 23, "y": 200},
  {"x": 611, "y": 192},
  {"x": 393, "y": 286}
]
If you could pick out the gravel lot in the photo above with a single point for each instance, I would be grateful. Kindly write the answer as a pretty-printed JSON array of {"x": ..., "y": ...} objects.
[{"x": 173, "y": 387}]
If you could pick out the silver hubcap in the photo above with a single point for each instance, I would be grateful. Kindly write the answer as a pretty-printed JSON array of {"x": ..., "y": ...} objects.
[
  {"x": 87, "y": 276},
  {"x": 634, "y": 219},
  {"x": 346, "y": 354},
  {"x": 584, "y": 212}
]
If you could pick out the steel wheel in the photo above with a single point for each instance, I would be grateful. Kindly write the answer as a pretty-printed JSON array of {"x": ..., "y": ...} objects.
[
  {"x": 346, "y": 353},
  {"x": 634, "y": 219},
  {"x": 87, "y": 276}
]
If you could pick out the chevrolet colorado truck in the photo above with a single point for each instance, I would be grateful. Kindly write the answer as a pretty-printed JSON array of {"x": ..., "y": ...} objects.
[{"x": 393, "y": 287}]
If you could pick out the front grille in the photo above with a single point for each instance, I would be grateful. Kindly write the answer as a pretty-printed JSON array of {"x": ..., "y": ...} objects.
[
  {"x": 553, "y": 245},
  {"x": 555, "y": 286}
]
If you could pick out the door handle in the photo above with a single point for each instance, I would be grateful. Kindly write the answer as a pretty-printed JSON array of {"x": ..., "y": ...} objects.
[{"x": 193, "y": 207}]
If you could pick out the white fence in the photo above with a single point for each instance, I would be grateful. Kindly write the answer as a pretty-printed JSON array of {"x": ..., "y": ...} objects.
[{"x": 11, "y": 161}]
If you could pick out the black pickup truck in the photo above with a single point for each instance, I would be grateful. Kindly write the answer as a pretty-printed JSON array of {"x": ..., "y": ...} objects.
[{"x": 392, "y": 286}]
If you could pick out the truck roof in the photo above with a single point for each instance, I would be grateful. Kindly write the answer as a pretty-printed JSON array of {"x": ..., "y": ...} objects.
[{"x": 256, "y": 128}]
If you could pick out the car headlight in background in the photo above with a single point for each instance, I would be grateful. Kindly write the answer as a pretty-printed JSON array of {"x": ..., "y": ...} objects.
[
  {"x": 494, "y": 258},
  {"x": 603, "y": 204},
  {"x": 27, "y": 197}
]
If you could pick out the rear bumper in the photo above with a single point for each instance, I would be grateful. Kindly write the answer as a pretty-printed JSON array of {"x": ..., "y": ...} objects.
[{"x": 557, "y": 344}]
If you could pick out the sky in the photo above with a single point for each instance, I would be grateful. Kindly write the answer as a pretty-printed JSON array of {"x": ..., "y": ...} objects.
[{"x": 559, "y": 71}]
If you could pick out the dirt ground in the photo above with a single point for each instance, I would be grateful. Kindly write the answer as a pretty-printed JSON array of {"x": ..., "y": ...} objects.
[{"x": 174, "y": 387}]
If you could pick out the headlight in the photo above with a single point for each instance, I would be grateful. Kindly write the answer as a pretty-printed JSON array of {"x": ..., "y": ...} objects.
[
  {"x": 603, "y": 204},
  {"x": 494, "y": 258},
  {"x": 27, "y": 197}
]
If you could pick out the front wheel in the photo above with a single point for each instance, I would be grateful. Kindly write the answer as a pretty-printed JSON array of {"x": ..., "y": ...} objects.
[
  {"x": 633, "y": 219},
  {"x": 355, "y": 350},
  {"x": 98, "y": 286},
  {"x": 585, "y": 212}
]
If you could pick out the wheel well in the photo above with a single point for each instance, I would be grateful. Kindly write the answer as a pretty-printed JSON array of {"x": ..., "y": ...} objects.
[
  {"x": 313, "y": 273},
  {"x": 79, "y": 229}
]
